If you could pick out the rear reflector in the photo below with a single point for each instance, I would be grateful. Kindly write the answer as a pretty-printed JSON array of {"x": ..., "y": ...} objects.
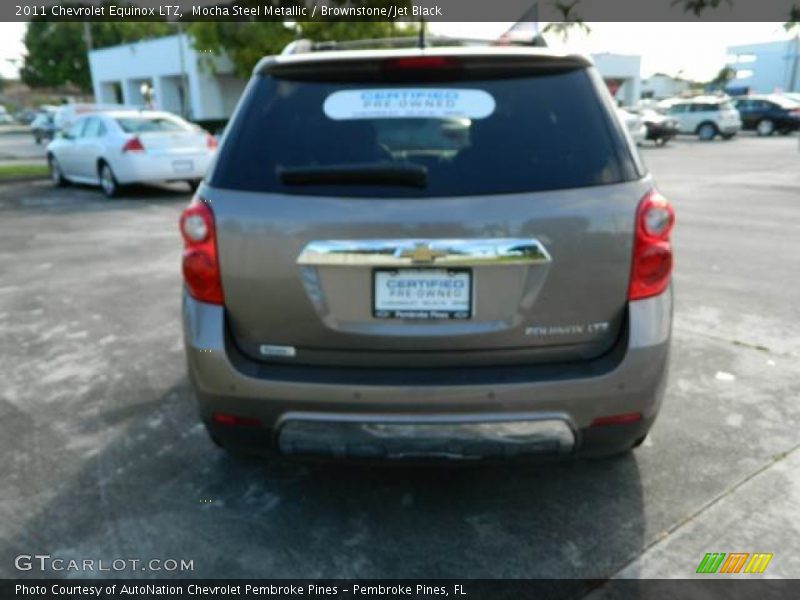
[
  {"x": 211, "y": 141},
  {"x": 226, "y": 419},
  {"x": 617, "y": 419},
  {"x": 421, "y": 62}
]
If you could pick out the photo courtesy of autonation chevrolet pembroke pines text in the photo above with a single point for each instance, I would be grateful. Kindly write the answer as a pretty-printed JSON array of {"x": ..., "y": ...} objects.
[{"x": 400, "y": 299}]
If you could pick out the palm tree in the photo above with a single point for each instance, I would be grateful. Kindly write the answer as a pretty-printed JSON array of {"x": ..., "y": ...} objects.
[{"x": 569, "y": 21}]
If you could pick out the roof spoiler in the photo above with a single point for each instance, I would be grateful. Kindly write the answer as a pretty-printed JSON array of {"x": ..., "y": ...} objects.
[{"x": 303, "y": 46}]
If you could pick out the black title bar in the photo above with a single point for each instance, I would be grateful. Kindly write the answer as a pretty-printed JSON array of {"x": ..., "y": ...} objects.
[{"x": 405, "y": 10}]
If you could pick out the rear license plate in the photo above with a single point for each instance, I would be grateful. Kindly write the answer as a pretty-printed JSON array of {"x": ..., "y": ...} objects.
[
  {"x": 182, "y": 166},
  {"x": 422, "y": 294}
]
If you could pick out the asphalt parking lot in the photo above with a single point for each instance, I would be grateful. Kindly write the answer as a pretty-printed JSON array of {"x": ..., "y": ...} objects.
[{"x": 104, "y": 458}]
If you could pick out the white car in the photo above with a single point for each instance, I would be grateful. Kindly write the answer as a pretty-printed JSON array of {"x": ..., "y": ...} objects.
[
  {"x": 707, "y": 117},
  {"x": 634, "y": 124},
  {"x": 116, "y": 148}
]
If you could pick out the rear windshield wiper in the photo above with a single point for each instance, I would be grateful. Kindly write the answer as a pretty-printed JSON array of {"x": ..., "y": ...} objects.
[{"x": 407, "y": 174}]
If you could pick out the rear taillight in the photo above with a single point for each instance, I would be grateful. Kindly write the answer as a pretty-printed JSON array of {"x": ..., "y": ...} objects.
[
  {"x": 211, "y": 142},
  {"x": 652, "y": 252},
  {"x": 228, "y": 419},
  {"x": 623, "y": 419},
  {"x": 133, "y": 145},
  {"x": 795, "y": 112},
  {"x": 200, "y": 262}
]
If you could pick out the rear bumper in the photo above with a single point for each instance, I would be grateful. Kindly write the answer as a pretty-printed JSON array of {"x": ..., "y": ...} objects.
[
  {"x": 788, "y": 124},
  {"x": 143, "y": 168},
  {"x": 639, "y": 135},
  {"x": 657, "y": 131},
  {"x": 413, "y": 412},
  {"x": 403, "y": 436},
  {"x": 729, "y": 128}
]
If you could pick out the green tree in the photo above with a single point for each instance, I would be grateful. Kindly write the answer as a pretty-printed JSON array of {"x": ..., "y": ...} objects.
[
  {"x": 246, "y": 43},
  {"x": 570, "y": 21},
  {"x": 722, "y": 78},
  {"x": 57, "y": 51}
]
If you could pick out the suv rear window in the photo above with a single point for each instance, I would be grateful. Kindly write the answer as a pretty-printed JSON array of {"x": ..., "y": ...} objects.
[
  {"x": 149, "y": 124},
  {"x": 516, "y": 134}
]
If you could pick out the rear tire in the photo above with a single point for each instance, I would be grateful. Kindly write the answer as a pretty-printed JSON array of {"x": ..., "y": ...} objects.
[
  {"x": 56, "y": 175},
  {"x": 765, "y": 128},
  {"x": 707, "y": 132},
  {"x": 108, "y": 181}
]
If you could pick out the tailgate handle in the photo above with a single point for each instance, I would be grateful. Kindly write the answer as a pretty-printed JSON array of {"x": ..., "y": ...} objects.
[{"x": 408, "y": 252}]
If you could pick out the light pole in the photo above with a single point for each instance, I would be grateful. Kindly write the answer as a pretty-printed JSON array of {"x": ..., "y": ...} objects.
[{"x": 184, "y": 79}]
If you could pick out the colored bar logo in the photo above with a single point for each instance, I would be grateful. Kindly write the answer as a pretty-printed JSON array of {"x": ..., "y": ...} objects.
[{"x": 734, "y": 562}]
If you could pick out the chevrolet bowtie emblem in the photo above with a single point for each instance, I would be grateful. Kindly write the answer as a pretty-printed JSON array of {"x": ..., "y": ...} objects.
[{"x": 422, "y": 253}]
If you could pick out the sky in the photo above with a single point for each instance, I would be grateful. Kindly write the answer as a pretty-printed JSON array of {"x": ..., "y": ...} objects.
[{"x": 693, "y": 50}]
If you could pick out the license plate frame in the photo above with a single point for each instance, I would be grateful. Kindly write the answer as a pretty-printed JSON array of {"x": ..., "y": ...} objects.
[{"x": 422, "y": 313}]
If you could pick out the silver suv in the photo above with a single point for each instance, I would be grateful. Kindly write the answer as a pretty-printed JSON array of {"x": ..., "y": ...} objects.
[{"x": 440, "y": 253}]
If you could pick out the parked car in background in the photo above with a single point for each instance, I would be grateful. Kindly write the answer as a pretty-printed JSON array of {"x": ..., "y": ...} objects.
[
  {"x": 660, "y": 128},
  {"x": 634, "y": 125},
  {"x": 25, "y": 116},
  {"x": 768, "y": 114},
  {"x": 5, "y": 118},
  {"x": 116, "y": 148},
  {"x": 43, "y": 127},
  {"x": 379, "y": 265},
  {"x": 706, "y": 117}
]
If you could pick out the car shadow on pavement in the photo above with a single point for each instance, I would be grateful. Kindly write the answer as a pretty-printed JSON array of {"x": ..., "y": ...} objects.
[
  {"x": 155, "y": 192},
  {"x": 143, "y": 481}
]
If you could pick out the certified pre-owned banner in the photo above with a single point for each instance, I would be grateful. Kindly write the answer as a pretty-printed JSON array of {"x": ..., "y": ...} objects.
[
  {"x": 468, "y": 589},
  {"x": 403, "y": 10}
]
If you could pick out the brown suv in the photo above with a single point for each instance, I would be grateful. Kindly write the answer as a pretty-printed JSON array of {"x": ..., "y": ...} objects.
[{"x": 436, "y": 253}]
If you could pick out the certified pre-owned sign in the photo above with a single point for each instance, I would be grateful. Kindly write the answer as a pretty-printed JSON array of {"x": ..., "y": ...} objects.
[{"x": 409, "y": 103}]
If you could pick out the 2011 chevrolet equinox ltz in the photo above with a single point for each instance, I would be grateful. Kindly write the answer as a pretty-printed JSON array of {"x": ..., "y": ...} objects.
[{"x": 427, "y": 253}]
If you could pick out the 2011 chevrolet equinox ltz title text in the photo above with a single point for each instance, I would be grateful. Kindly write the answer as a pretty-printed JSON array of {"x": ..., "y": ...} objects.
[{"x": 427, "y": 253}]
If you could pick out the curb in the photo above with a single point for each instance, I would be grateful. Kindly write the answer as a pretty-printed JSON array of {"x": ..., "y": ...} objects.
[
  {"x": 23, "y": 178},
  {"x": 15, "y": 131}
]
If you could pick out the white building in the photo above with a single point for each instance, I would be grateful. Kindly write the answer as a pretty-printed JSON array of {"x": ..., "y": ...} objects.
[
  {"x": 765, "y": 68},
  {"x": 661, "y": 86},
  {"x": 621, "y": 73},
  {"x": 177, "y": 77}
]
